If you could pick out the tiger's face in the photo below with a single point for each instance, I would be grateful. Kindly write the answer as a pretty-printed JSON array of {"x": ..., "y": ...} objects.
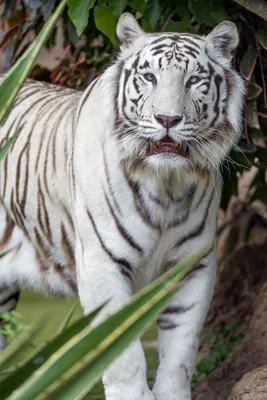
[{"x": 179, "y": 101}]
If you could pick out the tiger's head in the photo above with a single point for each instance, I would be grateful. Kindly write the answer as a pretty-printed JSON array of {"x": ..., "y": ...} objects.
[{"x": 178, "y": 99}]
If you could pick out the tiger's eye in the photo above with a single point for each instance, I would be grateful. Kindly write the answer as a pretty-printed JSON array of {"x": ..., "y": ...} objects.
[
  {"x": 150, "y": 77},
  {"x": 194, "y": 79}
]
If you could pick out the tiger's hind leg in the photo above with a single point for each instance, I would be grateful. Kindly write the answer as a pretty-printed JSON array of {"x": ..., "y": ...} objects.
[
  {"x": 21, "y": 266},
  {"x": 9, "y": 294},
  {"x": 8, "y": 302}
]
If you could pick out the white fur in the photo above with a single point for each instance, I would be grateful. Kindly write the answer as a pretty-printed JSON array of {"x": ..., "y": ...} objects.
[{"x": 81, "y": 184}]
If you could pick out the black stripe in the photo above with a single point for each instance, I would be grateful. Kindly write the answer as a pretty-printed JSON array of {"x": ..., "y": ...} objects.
[
  {"x": 202, "y": 195},
  {"x": 199, "y": 267},
  {"x": 157, "y": 200},
  {"x": 199, "y": 228},
  {"x": 190, "y": 53},
  {"x": 41, "y": 134},
  {"x": 45, "y": 169},
  {"x": 140, "y": 203},
  {"x": 166, "y": 325},
  {"x": 16, "y": 212},
  {"x": 184, "y": 37},
  {"x": 160, "y": 39},
  {"x": 216, "y": 109},
  {"x": 191, "y": 49},
  {"x": 117, "y": 91},
  {"x": 121, "y": 229},
  {"x": 111, "y": 191},
  {"x": 14, "y": 296},
  {"x": 126, "y": 266},
  {"x": 177, "y": 309},
  {"x": 90, "y": 88},
  {"x": 41, "y": 199}
]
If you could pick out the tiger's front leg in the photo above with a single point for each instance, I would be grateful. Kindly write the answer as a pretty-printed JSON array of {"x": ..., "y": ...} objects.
[
  {"x": 180, "y": 326},
  {"x": 101, "y": 280}
]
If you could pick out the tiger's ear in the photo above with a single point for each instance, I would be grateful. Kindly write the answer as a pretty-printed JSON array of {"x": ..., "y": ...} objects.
[
  {"x": 128, "y": 29},
  {"x": 224, "y": 37}
]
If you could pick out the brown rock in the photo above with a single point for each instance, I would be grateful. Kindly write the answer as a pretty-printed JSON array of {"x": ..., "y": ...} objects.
[
  {"x": 253, "y": 386},
  {"x": 251, "y": 354}
]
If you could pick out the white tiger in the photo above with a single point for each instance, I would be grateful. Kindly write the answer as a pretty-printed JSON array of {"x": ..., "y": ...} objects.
[{"x": 106, "y": 190}]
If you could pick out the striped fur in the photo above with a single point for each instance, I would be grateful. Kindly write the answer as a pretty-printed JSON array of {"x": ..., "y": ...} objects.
[{"x": 89, "y": 203}]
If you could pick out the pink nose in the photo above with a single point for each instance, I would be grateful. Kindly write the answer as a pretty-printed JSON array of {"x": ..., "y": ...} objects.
[{"x": 167, "y": 121}]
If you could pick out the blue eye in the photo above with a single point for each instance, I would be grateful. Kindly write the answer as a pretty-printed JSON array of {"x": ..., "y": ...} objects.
[
  {"x": 194, "y": 79},
  {"x": 150, "y": 77}
]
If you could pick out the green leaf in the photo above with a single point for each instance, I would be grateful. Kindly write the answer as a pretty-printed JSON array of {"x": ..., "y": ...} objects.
[
  {"x": 248, "y": 62},
  {"x": 81, "y": 382},
  {"x": 66, "y": 321},
  {"x": 79, "y": 13},
  {"x": 97, "y": 348},
  {"x": 14, "y": 79},
  {"x": 208, "y": 12},
  {"x": 152, "y": 12},
  {"x": 14, "y": 349},
  {"x": 4, "y": 253},
  {"x": 262, "y": 34},
  {"x": 184, "y": 25},
  {"x": 6, "y": 147},
  {"x": 105, "y": 21},
  {"x": 177, "y": 26},
  {"x": 12, "y": 382},
  {"x": 138, "y": 5},
  {"x": 220, "y": 15},
  {"x": 118, "y": 7}
]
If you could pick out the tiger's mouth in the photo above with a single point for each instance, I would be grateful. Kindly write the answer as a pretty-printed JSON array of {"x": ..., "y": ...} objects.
[{"x": 168, "y": 145}]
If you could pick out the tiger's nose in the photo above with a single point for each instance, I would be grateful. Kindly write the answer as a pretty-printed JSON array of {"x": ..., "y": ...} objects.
[{"x": 168, "y": 121}]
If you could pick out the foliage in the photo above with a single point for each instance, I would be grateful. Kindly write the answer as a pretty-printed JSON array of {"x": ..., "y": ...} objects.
[
  {"x": 85, "y": 57},
  {"x": 13, "y": 80},
  {"x": 79, "y": 354},
  {"x": 223, "y": 340},
  {"x": 11, "y": 324}
]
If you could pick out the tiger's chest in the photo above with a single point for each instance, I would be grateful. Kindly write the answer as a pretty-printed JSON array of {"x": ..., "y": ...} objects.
[{"x": 151, "y": 230}]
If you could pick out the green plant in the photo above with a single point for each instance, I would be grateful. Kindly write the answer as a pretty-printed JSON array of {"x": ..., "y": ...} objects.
[
  {"x": 12, "y": 324},
  {"x": 96, "y": 19},
  {"x": 71, "y": 364},
  {"x": 41, "y": 374},
  {"x": 13, "y": 80},
  {"x": 223, "y": 340}
]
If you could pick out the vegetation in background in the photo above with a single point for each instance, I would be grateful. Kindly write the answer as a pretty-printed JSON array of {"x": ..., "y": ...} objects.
[
  {"x": 12, "y": 324},
  {"x": 84, "y": 57},
  {"x": 223, "y": 340},
  {"x": 95, "y": 20}
]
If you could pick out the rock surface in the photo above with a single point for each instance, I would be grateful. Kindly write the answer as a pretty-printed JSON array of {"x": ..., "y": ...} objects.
[
  {"x": 253, "y": 386},
  {"x": 251, "y": 354},
  {"x": 240, "y": 293}
]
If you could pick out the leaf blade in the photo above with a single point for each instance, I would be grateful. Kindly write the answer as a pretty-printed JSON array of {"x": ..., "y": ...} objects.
[
  {"x": 91, "y": 341},
  {"x": 105, "y": 21},
  {"x": 79, "y": 13},
  {"x": 14, "y": 79}
]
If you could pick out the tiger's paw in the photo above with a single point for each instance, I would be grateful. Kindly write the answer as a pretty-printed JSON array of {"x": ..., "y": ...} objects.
[
  {"x": 164, "y": 394},
  {"x": 129, "y": 394}
]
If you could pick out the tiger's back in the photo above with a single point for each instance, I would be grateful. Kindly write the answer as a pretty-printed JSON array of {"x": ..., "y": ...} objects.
[{"x": 36, "y": 222}]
